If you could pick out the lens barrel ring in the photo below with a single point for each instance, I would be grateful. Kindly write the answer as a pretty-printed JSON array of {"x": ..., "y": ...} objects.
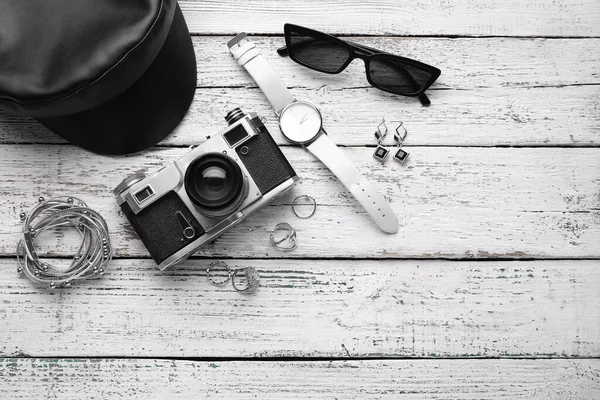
[
  {"x": 129, "y": 182},
  {"x": 216, "y": 184}
]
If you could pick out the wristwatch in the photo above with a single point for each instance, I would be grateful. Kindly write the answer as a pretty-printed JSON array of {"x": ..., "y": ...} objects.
[{"x": 300, "y": 123}]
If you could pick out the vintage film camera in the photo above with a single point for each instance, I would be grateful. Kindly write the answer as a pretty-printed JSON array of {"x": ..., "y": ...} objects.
[{"x": 194, "y": 200}]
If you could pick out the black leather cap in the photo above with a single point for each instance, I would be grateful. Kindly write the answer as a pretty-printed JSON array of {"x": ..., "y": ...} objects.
[{"x": 111, "y": 76}]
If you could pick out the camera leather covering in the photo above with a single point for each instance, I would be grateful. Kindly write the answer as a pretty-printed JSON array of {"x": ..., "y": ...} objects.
[
  {"x": 158, "y": 228},
  {"x": 262, "y": 153}
]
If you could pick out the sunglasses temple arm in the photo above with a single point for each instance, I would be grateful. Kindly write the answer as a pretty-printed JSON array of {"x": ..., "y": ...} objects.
[
  {"x": 422, "y": 97},
  {"x": 283, "y": 51},
  {"x": 424, "y": 100}
]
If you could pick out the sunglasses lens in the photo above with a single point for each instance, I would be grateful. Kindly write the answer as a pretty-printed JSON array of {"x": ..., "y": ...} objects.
[
  {"x": 318, "y": 53},
  {"x": 396, "y": 76}
]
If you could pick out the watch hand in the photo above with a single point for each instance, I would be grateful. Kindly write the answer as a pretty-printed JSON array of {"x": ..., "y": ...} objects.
[{"x": 306, "y": 116}]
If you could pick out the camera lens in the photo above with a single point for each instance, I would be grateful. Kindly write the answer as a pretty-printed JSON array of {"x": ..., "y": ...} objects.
[{"x": 214, "y": 182}]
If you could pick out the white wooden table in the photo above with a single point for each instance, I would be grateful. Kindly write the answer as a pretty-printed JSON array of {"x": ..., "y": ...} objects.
[{"x": 490, "y": 289}]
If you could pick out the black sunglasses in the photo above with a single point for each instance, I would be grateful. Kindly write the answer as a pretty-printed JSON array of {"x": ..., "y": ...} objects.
[{"x": 385, "y": 71}]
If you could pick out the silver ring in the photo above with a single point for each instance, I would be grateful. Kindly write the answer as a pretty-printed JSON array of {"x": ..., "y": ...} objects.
[
  {"x": 290, "y": 237},
  {"x": 311, "y": 199},
  {"x": 219, "y": 266},
  {"x": 252, "y": 279}
]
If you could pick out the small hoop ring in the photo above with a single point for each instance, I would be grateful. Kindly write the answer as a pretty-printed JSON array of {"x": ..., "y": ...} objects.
[
  {"x": 289, "y": 237},
  {"x": 294, "y": 245},
  {"x": 219, "y": 266},
  {"x": 252, "y": 279},
  {"x": 310, "y": 199}
]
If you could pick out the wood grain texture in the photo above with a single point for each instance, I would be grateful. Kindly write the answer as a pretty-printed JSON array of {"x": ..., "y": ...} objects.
[
  {"x": 492, "y": 92},
  {"x": 484, "y": 117},
  {"x": 466, "y": 63},
  {"x": 459, "y": 196},
  {"x": 33, "y": 379},
  {"x": 389, "y": 17},
  {"x": 451, "y": 202},
  {"x": 304, "y": 308}
]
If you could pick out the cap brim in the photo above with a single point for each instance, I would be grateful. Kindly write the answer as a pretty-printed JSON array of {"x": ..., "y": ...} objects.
[{"x": 147, "y": 111}]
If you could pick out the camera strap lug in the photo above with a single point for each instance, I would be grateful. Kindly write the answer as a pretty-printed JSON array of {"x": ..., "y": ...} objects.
[{"x": 187, "y": 228}]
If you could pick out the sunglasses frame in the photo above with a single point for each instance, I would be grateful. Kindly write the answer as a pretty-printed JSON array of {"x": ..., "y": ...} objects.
[{"x": 364, "y": 53}]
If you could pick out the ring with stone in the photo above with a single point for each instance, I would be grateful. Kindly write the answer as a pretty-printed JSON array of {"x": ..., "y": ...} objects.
[{"x": 245, "y": 279}]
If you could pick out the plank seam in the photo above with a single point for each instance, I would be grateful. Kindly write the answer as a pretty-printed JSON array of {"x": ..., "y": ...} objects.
[
  {"x": 423, "y": 36},
  {"x": 304, "y": 359},
  {"x": 449, "y": 259},
  {"x": 349, "y": 146},
  {"x": 479, "y": 88}
]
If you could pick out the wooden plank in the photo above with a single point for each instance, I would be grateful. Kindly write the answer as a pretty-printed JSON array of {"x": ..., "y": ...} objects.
[
  {"x": 451, "y": 202},
  {"x": 389, "y": 17},
  {"x": 488, "y": 117},
  {"x": 305, "y": 308},
  {"x": 565, "y": 116},
  {"x": 466, "y": 63},
  {"x": 403, "y": 379},
  {"x": 522, "y": 94},
  {"x": 400, "y": 379}
]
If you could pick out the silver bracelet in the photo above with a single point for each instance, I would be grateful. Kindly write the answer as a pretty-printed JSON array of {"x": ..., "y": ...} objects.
[{"x": 94, "y": 253}]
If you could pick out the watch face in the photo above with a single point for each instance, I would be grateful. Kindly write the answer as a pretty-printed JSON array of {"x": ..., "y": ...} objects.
[{"x": 300, "y": 122}]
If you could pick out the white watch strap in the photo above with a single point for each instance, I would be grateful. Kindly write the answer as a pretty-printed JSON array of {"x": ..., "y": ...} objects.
[
  {"x": 323, "y": 148},
  {"x": 248, "y": 57},
  {"x": 377, "y": 207}
]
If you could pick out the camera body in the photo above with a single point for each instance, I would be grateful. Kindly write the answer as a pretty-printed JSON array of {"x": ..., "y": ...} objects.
[{"x": 194, "y": 200}]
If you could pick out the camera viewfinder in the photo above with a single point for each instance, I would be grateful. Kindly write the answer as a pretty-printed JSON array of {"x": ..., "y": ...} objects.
[
  {"x": 144, "y": 194},
  {"x": 236, "y": 135}
]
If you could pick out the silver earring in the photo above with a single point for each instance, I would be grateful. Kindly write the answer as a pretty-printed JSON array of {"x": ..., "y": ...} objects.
[
  {"x": 381, "y": 152},
  {"x": 401, "y": 156}
]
